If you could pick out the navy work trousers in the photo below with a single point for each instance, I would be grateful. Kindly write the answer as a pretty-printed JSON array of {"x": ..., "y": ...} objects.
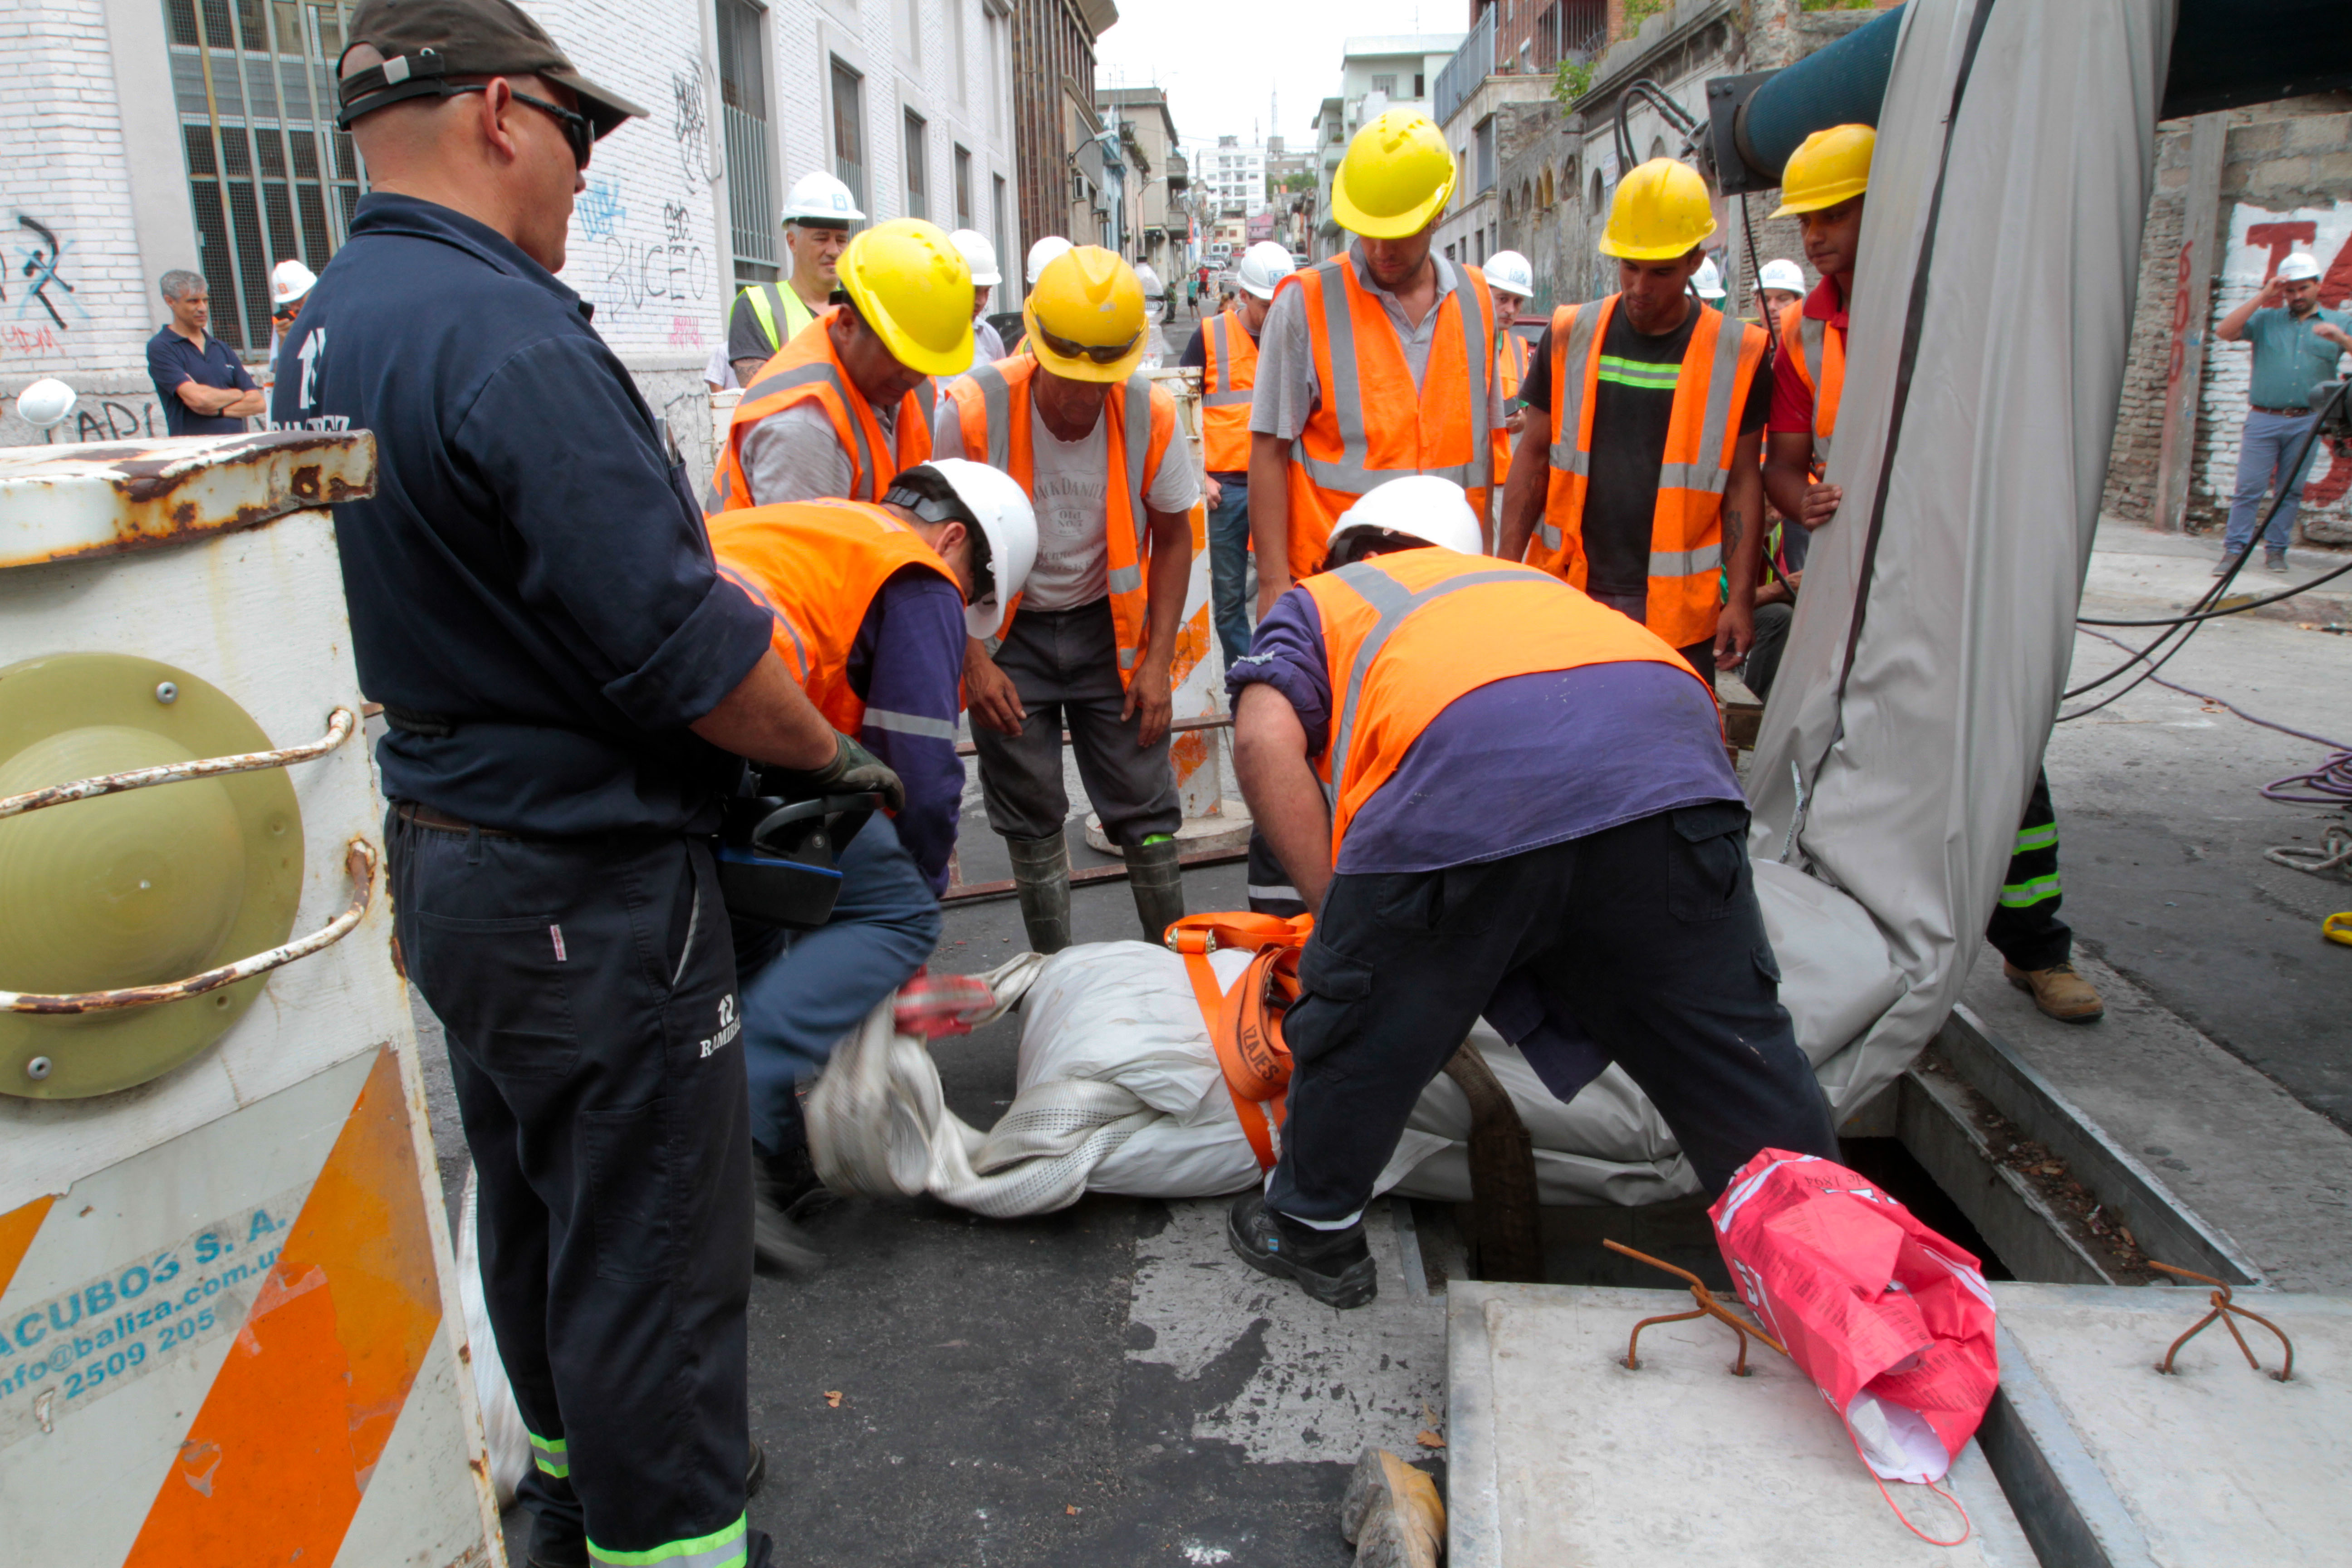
[
  {"x": 587, "y": 988},
  {"x": 1229, "y": 563},
  {"x": 2025, "y": 927},
  {"x": 802, "y": 990},
  {"x": 1644, "y": 940}
]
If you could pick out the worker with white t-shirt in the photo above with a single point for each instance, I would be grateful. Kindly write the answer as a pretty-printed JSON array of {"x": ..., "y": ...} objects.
[{"x": 1095, "y": 443}]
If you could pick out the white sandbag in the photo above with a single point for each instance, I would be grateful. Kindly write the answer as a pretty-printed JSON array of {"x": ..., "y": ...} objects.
[{"x": 509, "y": 1444}]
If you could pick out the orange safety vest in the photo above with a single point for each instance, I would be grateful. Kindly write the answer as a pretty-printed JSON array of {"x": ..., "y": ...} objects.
[
  {"x": 1245, "y": 1022},
  {"x": 993, "y": 411},
  {"x": 1371, "y": 423},
  {"x": 1510, "y": 371},
  {"x": 807, "y": 367},
  {"x": 1226, "y": 378},
  {"x": 815, "y": 566},
  {"x": 1686, "y": 523},
  {"x": 1816, "y": 351},
  {"x": 1406, "y": 633}
]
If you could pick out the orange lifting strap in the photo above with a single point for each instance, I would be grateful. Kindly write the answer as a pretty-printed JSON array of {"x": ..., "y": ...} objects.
[{"x": 1245, "y": 1023}]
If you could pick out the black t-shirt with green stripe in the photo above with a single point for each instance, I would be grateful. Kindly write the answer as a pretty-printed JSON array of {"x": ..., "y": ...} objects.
[{"x": 1633, "y": 406}]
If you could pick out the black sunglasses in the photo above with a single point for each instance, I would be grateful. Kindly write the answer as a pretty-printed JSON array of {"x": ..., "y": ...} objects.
[
  {"x": 577, "y": 129},
  {"x": 1110, "y": 354}
]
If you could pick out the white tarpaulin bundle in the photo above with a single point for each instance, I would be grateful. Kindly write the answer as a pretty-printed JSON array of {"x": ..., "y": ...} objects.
[{"x": 1985, "y": 363}]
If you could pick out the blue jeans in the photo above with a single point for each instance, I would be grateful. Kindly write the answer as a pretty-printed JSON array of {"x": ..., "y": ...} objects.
[
  {"x": 1229, "y": 534},
  {"x": 803, "y": 991},
  {"x": 2270, "y": 442}
]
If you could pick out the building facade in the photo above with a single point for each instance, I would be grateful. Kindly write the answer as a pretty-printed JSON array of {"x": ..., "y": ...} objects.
[
  {"x": 156, "y": 134},
  {"x": 1376, "y": 74},
  {"x": 1069, "y": 176},
  {"x": 1233, "y": 177},
  {"x": 1157, "y": 226}
]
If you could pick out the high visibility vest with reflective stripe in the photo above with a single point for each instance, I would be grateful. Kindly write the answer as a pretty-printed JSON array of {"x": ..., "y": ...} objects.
[
  {"x": 1816, "y": 351},
  {"x": 768, "y": 302},
  {"x": 1371, "y": 423},
  {"x": 993, "y": 411},
  {"x": 1711, "y": 389},
  {"x": 1510, "y": 371},
  {"x": 806, "y": 369},
  {"x": 1230, "y": 373},
  {"x": 816, "y": 567},
  {"x": 1406, "y": 633}
]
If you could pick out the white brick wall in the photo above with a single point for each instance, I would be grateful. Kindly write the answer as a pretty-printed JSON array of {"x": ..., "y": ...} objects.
[
  {"x": 62, "y": 166},
  {"x": 2326, "y": 511},
  {"x": 647, "y": 244}
]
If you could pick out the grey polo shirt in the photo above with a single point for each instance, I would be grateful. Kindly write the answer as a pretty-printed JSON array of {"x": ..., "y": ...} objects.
[{"x": 1287, "y": 390}]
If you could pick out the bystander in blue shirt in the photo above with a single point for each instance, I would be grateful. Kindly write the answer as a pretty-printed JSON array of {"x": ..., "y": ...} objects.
[{"x": 172, "y": 359}]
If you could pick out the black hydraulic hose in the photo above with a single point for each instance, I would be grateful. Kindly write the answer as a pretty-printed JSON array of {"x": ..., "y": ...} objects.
[{"x": 1843, "y": 84}]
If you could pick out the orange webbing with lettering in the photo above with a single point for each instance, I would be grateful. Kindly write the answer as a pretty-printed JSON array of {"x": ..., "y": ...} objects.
[{"x": 1245, "y": 1023}]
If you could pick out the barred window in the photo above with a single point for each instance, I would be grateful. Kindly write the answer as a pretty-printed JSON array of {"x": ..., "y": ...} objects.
[{"x": 270, "y": 177}]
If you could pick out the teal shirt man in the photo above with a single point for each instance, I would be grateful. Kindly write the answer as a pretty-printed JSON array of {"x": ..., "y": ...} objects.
[{"x": 2297, "y": 343}]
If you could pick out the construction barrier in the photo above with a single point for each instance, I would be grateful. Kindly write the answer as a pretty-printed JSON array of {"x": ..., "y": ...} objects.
[{"x": 229, "y": 1329}]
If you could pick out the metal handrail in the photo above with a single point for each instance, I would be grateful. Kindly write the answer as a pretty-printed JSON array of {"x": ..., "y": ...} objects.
[
  {"x": 359, "y": 864},
  {"x": 341, "y": 723}
]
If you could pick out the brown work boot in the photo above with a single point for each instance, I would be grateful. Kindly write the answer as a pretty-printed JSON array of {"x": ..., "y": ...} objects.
[{"x": 2059, "y": 992}]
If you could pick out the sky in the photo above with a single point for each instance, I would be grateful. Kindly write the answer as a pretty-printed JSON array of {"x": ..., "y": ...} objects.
[{"x": 1223, "y": 62}]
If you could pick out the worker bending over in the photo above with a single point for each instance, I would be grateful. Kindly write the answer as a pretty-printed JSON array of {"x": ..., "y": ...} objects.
[
  {"x": 1823, "y": 188},
  {"x": 1647, "y": 482},
  {"x": 1588, "y": 893},
  {"x": 846, "y": 404},
  {"x": 1378, "y": 364},
  {"x": 765, "y": 317},
  {"x": 1093, "y": 443},
  {"x": 1224, "y": 349},
  {"x": 871, "y": 605}
]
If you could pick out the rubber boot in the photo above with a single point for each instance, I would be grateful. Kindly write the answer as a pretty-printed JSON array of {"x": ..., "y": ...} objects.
[
  {"x": 1041, "y": 876},
  {"x": 1157, "y": 883}
]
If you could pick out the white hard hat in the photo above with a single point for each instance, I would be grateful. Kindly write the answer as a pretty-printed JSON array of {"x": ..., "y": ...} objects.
[
  {"x": 1009, "y": 524},
  {"x": 1509, "y": 271},
  {"x": 1149, "y": 279},
  {"x": 2298, "y": 266},
  {"x": 821, "y": 198},
  {"x": 289, "y": 280},
  {"x": 1263, "y": 265},
  {"x": 978, "y": 255},
  {"x": 1783, "y": 274},
  {"x": 1051, "y": 248},
  {"x": 46, "y": 402},
  {"x": 1422, "y": 505},
  {"x": 1707, "y": 281}
]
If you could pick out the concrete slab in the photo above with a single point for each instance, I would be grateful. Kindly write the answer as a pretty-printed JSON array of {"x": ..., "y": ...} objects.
[
  {"x": 1562, "y": 1456},
  {"x": 2216, "y": 1463}
]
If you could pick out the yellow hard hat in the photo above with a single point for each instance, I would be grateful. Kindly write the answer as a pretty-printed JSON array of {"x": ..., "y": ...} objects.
[
  {"x": 1660, "y": 212},
  {"x": 1397, "y": 176},
  {"x": 1085, "y": 316},
  {"x": 914, "y": 288},
  {"x": 1828, "y": 167}
]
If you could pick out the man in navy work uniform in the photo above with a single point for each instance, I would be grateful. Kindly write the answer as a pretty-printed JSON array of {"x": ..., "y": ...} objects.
[
  {"x": 203, "y": 388},
  {"x": 1530, "y": 816},
  {"x": 570, "y": 685}
]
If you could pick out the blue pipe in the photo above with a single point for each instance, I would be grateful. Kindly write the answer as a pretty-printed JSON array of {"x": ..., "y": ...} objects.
[{"x": 1843, "y": 84}]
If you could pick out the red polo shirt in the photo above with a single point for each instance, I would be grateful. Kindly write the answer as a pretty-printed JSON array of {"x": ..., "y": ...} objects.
[{"x": 1792, "y": 400}]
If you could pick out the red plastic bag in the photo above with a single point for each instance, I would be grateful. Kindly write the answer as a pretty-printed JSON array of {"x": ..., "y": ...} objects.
[{"x": 1894, "y": 1323}]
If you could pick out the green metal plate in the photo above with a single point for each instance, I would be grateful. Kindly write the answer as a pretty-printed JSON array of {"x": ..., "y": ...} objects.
[{"x": 137, "y": 888}]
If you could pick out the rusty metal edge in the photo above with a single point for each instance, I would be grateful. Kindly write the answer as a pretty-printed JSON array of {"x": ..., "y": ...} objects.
[{"x": 2164, "y": 1226}]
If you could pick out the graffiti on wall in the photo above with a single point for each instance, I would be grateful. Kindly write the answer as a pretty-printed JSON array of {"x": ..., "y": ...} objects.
[
  {"x": 631, "y": 265},
  {"x": 2258, "y": 241},
  {"x": 42, "y": 283},
  {"x": 689, "y": 91}
]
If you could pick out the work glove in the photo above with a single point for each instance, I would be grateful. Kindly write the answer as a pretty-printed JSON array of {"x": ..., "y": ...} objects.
[{"x": 852, "y": 771}]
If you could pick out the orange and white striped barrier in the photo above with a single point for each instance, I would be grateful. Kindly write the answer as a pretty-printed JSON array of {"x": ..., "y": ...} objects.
[{"x": 229, "y": 1330}]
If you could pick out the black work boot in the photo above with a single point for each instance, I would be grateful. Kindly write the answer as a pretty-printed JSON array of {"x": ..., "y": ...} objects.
[
  {"x": 1157, "y": 883},
  {"x": 1335, "y": 1267},
  {"x": 784, "y": 1189},
  {"x": 559, "y": 1537},
  {"x": 1041, "y": 876}
]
